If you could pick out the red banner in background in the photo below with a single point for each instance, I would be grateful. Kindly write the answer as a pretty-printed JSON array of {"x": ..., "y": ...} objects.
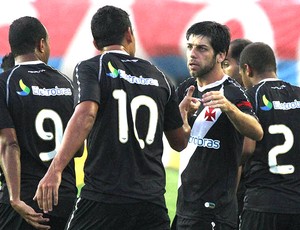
[{"x": 160, "y": 28}]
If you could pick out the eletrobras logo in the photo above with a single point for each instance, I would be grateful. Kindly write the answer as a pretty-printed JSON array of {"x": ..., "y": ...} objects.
[
  {"x": 114, "y": 73},
  {"x": 25, "y": 90},
  {"x": 46, "y": 92},
  {"x": 277, "y": 105}
]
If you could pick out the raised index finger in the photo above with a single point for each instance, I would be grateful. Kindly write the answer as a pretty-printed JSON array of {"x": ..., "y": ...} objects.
[{"x": 190, "y": 91}]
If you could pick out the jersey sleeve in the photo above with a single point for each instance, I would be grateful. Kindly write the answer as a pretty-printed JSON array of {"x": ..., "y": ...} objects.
[
  {"x": 173, "y": 118},
  {"x": 240, "y": 99},
  {"x": 85, "y": 80}
]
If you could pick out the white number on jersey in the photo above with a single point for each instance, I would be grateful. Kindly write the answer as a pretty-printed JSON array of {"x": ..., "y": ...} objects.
[
  {"x": 136, "y": 102},
  {"x": 48, "y": 136},
  {"x": 281, "y": 149}
]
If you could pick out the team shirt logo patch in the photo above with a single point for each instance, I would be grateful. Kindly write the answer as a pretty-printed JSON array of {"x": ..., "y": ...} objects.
[
  {"x": 25, "y": 90},
  {"x": 277, "y": 105},
  {"x": 114, "y": 73},
  {"x": 210, "y": 114},
  {"x": 37, "y": 91},
  {"x": 268, "y": 105}
]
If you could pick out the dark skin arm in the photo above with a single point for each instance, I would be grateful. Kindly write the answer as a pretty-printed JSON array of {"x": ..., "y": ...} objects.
[
  {"x": 178, "y": 138},
  {"x": 76, "y": 132},
  {"x": 11, "y": 166}
]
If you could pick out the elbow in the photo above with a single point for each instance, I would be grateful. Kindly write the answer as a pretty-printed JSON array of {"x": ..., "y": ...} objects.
[
  {"x": 8, "y": 146},
  {"x": 179, "y": 146},
  {"x": 86, "y": 122},
  {"x": 178, "y": 139},
  {"x": 261, "y": 135},
  {"x": 180, "y": 143},
  {"x": 254, "y": 131},
  {"x": 258, "y": 135}
]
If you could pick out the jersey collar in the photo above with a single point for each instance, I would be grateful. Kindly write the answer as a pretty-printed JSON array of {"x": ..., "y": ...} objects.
[
  {"x": 270, "y": 79},
  {"x": 30, "y": 62},
  {"x": 214, "y": 84},
  {"x": 116, "y": 51}
]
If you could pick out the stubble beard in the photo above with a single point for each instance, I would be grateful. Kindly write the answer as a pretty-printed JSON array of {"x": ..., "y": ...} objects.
[{"x": 203, "y": 71}]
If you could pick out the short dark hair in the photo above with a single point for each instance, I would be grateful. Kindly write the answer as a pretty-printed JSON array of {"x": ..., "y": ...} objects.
[
  {"x": 108, "y": 26},
  {"x": 8, "y": 61},
  {"x": 218, "y": 34},
  {"x": 237, "y": 46},
  {"x": 25, "y": 34},
  {"x": 259, "y": 56}
]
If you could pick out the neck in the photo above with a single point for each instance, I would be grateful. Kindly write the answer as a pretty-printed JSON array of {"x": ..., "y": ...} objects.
[
  {"x": 263, "y": 76},
  {"x": 114, "y": 47},
  {"x": 214, "y": 75},
  {"x": 26, "y": 58}
]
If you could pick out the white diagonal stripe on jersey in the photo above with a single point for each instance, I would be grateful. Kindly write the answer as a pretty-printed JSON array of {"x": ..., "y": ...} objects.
[{"x": 200, "y": 128}]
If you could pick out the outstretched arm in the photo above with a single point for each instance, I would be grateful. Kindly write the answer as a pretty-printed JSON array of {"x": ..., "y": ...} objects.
[
  {"x": 246, "y": 124},
  {"x": 76, "y": 132},
  {"x": 11, "y": 166}
]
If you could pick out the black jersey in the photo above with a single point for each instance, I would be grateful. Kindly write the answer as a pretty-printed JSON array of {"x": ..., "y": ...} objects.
[
  {"x": 37, "y": 101},
  {"x": 136, "y": 104},
  {"x": 209, "y": 164},
  {"x": 273, "y": 173}
]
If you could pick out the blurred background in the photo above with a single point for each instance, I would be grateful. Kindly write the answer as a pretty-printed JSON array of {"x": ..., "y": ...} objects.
[{"x": 159, "y": 27}]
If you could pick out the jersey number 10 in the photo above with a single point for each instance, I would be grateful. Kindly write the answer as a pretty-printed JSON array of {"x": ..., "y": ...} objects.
[{"x": 136, "y": 102}]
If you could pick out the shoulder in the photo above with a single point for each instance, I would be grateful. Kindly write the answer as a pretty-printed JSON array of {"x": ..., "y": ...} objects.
[
  {"x": 232, "y": 89},
  {"x": 89, "y": 66},
  {"x": 187, "y": 83},
  {"x": 90, "y": 62},
  {"x": 183, "y": 86}
]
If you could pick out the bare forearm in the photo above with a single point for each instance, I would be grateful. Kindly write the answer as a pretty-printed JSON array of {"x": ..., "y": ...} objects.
[
  {"x": 76, "y": 132},
  {"x": 246, "y": 124},
  {"x": 10, "y": 162}
]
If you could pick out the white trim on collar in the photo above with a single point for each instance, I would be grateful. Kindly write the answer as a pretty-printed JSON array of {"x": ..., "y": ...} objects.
[
  {"x": 269, "y": 79},
  {"x": 29, "y": 62},
  {"x": 116, "y": 51},
  {"x": 214, "y": 84}
]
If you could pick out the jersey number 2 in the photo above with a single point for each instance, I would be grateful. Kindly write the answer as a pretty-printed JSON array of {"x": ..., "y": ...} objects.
[{"x": 281, "y": 149}]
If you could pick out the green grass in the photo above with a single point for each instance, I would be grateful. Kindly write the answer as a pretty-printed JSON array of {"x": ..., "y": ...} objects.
[{"x": 171, "y": 191}]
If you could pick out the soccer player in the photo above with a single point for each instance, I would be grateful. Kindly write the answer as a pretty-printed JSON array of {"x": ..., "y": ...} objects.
[
  {"x": 272, "y": 198},
  {"x": 123, "y": 106},
  {"x": 231, "y": 63},
  {"x": 36, "y": 102},
  {"x": 8, "y": 61},
  {"x": 231, "y": 67},
  {"x": 209, "y": 164}
]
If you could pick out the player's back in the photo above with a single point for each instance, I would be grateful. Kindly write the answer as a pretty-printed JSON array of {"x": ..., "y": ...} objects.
[
  {"x": 37, "y": 101},
  {"x": 136, "y": 104},
  {"x": 274, "y": 169}
]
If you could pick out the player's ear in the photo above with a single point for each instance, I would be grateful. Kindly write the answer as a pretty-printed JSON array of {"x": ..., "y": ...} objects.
[
  {"x": 129, "y": 35},
  {"x": 41, "y": 45},
  {"x": 220, "y": 57},
  {"x": 249, "y": 70},
  {"x": 95, "y": 45}
]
